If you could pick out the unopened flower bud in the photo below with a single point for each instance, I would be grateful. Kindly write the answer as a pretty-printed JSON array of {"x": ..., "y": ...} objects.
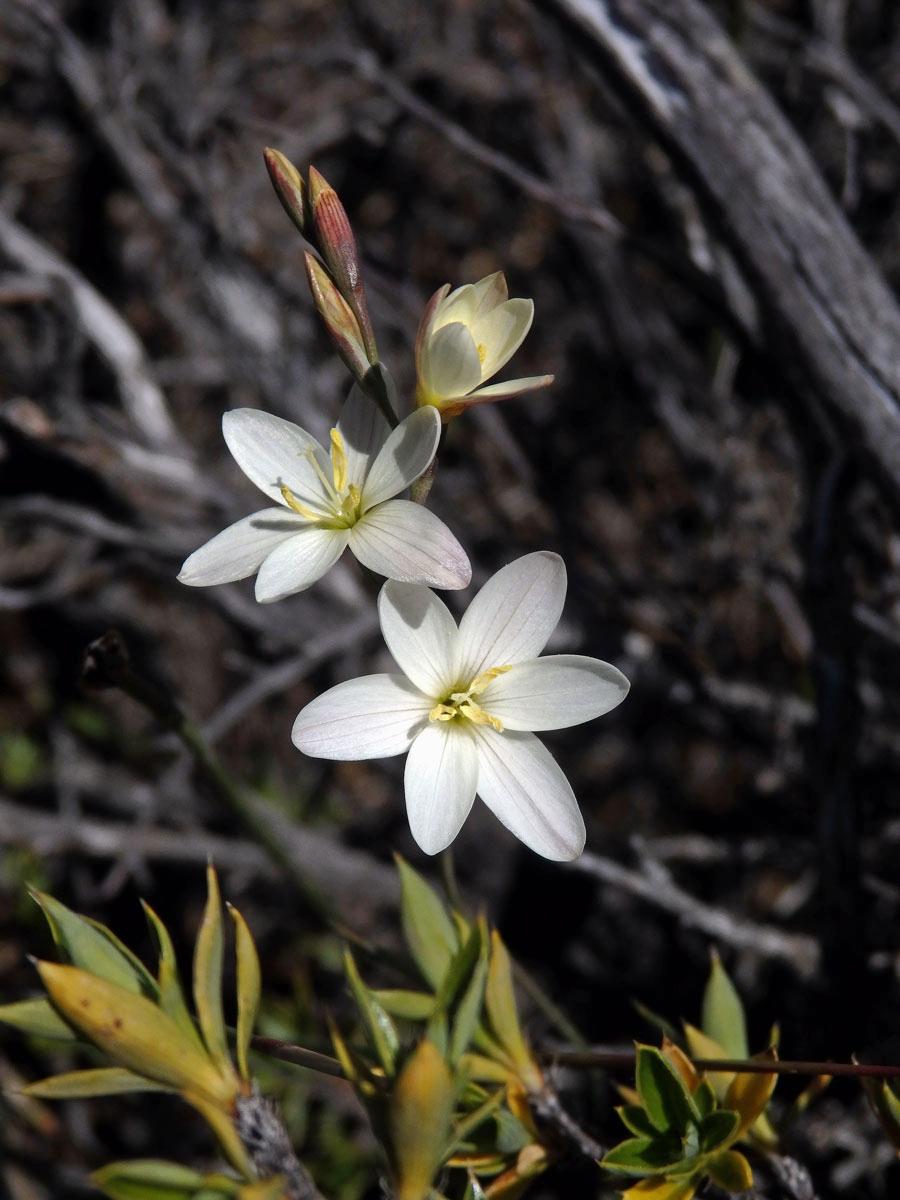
[
  {"x": 335, "y": 240},
  {"x": 289, "y": 186},
  {"x": 339, "y": 318}
]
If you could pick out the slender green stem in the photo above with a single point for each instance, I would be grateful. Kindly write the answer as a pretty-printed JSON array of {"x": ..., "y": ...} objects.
[
  {"x": 451, "y": 886},
  {"x": 107, "y": 664}
]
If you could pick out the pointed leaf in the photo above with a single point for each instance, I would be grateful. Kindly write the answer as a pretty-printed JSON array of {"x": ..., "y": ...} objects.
[
  {"x": 133, "y": 1031},
  {"x": 221, "y": 1123},
  {"x": 500, "y": 1005},
  {"x": 662, "y": 1189},
  {"x": 730, "y": 1171},
  {"x": 749, "y": 1094},
  {"x": 702, "y": 1046},
  {"x": 413, "y": 1006},
  {"x": 208, "y": 958},
  {"x": 427, "y": 928},
  {"x": 248, "y": 988},
  {"x": 97, "y": 1081},
  {"x": 421, "y": 1108},
  {"x": 379, "y": 1026},
  {"x": 466, "y": 1017},
  {"x": 171, "y": 996},
  {"x": 153, "y": 1179},
  {"x": 37, "y": 1018},
  {"x": 723, "y": 1013},
  {"x": 457, "y": 974},
  {"x": 94, "y": 948},
  {"x": 886, "y": 1106},
  {"x": 636, "y": 1120},
  {"x": 644, "y": 1156},
  {"x": 663, "y": 1093},
  {"x": 705, "y": 1098},
  {"x": 717, "y": 1129}
]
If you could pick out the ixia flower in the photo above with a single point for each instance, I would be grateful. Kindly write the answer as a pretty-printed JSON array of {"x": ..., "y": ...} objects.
[
  {"x": 466, "y": 337},
  {"x": 329, "y": 501},
  {"x": 467, "y": 705}
]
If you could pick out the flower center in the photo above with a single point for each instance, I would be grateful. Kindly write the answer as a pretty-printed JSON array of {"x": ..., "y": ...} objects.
[
  {"x": 462, "y": 704},
  {"x": 340, "y": 502}
]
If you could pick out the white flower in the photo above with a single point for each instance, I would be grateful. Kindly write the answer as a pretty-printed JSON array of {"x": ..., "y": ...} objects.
[
  {"x": 466, "y": 337},
  {"x": 329, "y": 502},
  {"x": 467, "y": 704}
]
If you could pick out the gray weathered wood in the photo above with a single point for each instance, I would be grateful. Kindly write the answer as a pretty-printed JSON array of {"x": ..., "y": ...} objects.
[{"x": 825, "y": 307}]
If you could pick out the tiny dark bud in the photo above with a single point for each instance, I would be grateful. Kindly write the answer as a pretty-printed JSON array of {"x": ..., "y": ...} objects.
[{"x": 106, "y": 662}]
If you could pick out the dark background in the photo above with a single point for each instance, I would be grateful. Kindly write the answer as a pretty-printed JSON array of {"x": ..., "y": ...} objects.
[{"x": 726, "y": 548}]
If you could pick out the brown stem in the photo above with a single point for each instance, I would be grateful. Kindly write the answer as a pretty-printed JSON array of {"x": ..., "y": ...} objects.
[{"x": 614, "y": 1060}]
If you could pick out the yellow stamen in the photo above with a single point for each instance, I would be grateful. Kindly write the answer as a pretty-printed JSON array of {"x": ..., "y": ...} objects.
[
  {"x": 482, "y": 352},
  {"x": 292, "y": 502},
  {"x": 461, "y": 704},
  {"x": 442, "y": 712},
  {"x": 338, "y": 461}
]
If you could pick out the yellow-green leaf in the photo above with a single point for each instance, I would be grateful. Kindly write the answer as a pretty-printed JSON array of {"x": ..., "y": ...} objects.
[
  {"x": 500, "y": 1004},
  {"x": 730, "y": 1171},
  {"x": 133, "y": 1031},
  {"x": 208, "y": 957},
  {"x": 171, "y": 995},
  {"x": 153, "y": 1179},
  {"x": 886, "y": 1106},
  {"x": 38, "y": 1018},
  {"x": 97, "y": 1081},
  {"x": 379, "y": 1026},
  {"x": 749, "y": 1094},
  {"x": 223, "y": 1127},
  {"x": 413, "y": 1006},
  {"x": 662, "y": 1189},
  {"x": 428, "y": 930},
  {"x": 248, "y": 988},
  {"x": 723, "y": 1013},
  {"x": 422, "y": 1103},
  {"x": 94, "y": 948}
]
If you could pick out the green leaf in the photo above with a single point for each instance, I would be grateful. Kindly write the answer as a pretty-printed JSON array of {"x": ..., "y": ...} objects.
[
  {"x": 500, "y": 1003},
  {"x": 248, "y": 988},
  {"x": 636, "y": 1120},
  {"x": 705, "y": 1098},
  {"x": 644, "y": 1156},
  {"x": 38, "y": 1018},
  {"x": 379, "y": 1026},
  {"x": 153, "y": 1179},
  {"x": 663, "y": 1093},
  {"x": 730, "y": 1171},
  {"x": 171, "y": 996},
  {"x": 208, "y": 957},
  {"x": 886, "y": 1106},
  {"x": 427, "y": 928},
  {"x": 512, "y": 1136},
  {"x": 96, "y": 1081},
  {"x": 719, "y": 1127},
  {"x": 465, "y": 1019},
  {"x": 413, "y": 1006},
  {"x": 93, "y": 947},
  {"x": 723, "y": 1013},
  {"x": 459, "y": 971}
]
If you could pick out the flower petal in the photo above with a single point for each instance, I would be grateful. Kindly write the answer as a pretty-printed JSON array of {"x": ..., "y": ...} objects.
[
  {"x": 299, "y": 562},
  {"x": 554, "y": 692},
  {"x": 440, "y": 779},
  {"x": 272, "y": 452},
  {"x": 421, "y": 635},
  {"x": 502, "y": 332},
  {"x": 513, "y": 387},
  {"x": 403, "y": 457},
  {"x": 376, "y": 716},
  {"x": 363, "y": 431},
  {"x": 406, "y": 541},
  {"x": 514, "y": 614},
  {"x": 489, "y": 292},
  {"x": 461, "y": 305},
  {"x": 523, "y": 786},
  {"x": 450, "y": 362},
  {"x": 237, "y": 551}
]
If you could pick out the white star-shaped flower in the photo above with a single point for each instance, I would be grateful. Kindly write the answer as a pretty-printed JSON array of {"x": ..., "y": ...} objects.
[
  {"x": 329, "y": 502},
  {"x": 466, "y": 337},
  {"x": 467, "y": 705}
]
